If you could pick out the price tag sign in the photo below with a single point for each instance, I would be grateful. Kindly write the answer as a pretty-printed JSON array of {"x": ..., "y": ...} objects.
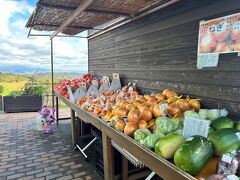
[
  {"x": 95, "y": 83},
  {"x": 238, "y": 135},
  {"x": 234, "y": 152},
  {"x": 163, "y": 106},
  {"x": 125, "y": 119},
  {"x": 195, "y": 126},
  {"x": 116, "y": 76},
  {"x": 232, "y": 177},
  {"x": 226, "y": 158},
  {"x": 116, "y": 84},
  {"x": 71, "y": 96}
]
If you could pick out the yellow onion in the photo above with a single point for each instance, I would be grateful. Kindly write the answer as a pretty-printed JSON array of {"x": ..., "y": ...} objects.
[
  {"x": 120, "y": 125},
  {"x": 141, "y": 99},
  {"x": 114, "y": 110},
  {"x": 131, "y": 107},
  {"x": 141, "y": 106},
  {"x": 151, "y": 102},
  {"x": 142, "y": 124},
  {"x": 159, "y": 112},
  {"x": 183, "y": 104},
  {"x": 194, "y": 104},
  {"x": 123, "y": 104},
  {"x": 152, "y": 125},
  {"x": 160, "y": 97},
  {"x": 130, "y": 128},
  {"x": 146, "y": 114},
  {"x": 121, "y": 112},
  {"x": 173, "y": 109},
  {"x": 169, "y": 93},
  {"x": 136, "y": 102},
  {"x": 133, "y": 116},
  {"x": 172, "y": 99}
]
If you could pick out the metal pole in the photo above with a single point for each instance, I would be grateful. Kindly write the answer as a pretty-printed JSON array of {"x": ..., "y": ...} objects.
[{"x": 52, "y": 72}]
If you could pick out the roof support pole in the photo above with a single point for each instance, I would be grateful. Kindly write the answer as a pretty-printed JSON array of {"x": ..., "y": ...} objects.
[
  {"x": 52, "y": 73},
  {"x": 81, "y": 8}
]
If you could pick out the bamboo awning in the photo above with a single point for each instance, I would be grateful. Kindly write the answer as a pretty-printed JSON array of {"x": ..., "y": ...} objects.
[{"x": 50, "y": 15}]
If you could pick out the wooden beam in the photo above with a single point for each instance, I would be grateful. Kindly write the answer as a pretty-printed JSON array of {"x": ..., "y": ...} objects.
[
  {"x": 73, "y": 27},
  {"x": 108, "y": 157},
  {"x": 46, "y": 35},
  {"x": 74, "y": 128},
  {"x": 81, "y": 8}
]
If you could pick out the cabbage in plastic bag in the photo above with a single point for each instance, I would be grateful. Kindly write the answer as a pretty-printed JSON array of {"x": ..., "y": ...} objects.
[
  {"x": 151, "y": 140},
  {"x": 191, "y": 114},
  {"x": 216, "y": 113},
  {"x": 203, "y": 113},
  {"x": 141, "y": 134},
  {"x": 166, "y": 125}
]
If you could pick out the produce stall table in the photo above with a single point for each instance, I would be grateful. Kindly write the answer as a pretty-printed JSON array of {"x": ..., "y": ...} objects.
[{"x": 162, "y": 167}]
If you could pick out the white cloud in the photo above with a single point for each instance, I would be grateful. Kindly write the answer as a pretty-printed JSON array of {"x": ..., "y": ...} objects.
[{"x": 17, "y": 49}]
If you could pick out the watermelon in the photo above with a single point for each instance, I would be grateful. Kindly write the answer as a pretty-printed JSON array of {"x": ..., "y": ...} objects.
[
  {"x": 167, "y": 145},
  {"x": 193, "y": 155},
  {"x": 225, "y": 140},
  {"x": 222, "y": 122},
  {"x": 237, "y": 126}
]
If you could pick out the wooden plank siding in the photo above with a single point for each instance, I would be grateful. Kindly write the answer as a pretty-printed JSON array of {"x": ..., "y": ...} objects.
[{"x": 160, "y": 51}]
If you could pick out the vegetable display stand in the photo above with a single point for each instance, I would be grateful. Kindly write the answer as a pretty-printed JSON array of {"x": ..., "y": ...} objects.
[
  {"x": 162, "y": 167},
  {"x": 22, "y": 103}
]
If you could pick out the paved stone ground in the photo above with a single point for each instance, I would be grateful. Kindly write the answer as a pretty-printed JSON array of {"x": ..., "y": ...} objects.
[{"x": 28, "y": 154}]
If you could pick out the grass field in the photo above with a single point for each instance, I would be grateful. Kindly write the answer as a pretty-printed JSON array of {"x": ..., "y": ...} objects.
[
  {"x": 11, "y": 86},
  {"x": 13, "y": 82}
]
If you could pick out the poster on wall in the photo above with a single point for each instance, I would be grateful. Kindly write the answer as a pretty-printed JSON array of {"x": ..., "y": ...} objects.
[{"x": 221, "y": 35}]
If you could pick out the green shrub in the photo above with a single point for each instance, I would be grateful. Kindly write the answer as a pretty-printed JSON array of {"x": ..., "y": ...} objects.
[
  {"x": 31, "y": 88},
  {"x": 1, "y": 89},
  {"x": 35, "y": 90},
  {"x": 15, "y": 93}
]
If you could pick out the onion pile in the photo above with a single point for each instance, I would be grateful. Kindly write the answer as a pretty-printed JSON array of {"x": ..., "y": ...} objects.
[{"x": 128, "y": 111}]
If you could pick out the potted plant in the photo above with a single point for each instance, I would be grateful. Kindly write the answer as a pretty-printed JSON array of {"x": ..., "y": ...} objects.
[{"x": 29, "y": 99}]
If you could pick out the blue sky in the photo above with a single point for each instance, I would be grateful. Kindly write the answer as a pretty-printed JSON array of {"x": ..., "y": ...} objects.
[{"x": 70, "y": 54}]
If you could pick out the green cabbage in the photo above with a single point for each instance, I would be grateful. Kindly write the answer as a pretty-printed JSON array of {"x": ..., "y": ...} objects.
[
  {"x": 191, "y": 114},
  {"x": 151, "y": 140},
  {"x": 166, "y": 125},
  {"x": 179, "y": 131},
  {"x": 203, "y": 113},
  {"x": 141, "y": 134},
  {"x": 212, "y": 114}
]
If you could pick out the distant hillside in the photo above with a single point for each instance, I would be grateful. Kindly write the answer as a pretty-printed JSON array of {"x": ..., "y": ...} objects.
[
  {"x": 18, "y": 69},
  {"x": 58, "y": 75},
  {"x": 9, "y": 77},
  {"x": 21, "y": 69}
]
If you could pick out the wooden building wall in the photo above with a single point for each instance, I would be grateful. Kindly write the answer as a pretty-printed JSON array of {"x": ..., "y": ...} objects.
[{"x": 160, "y": 51}]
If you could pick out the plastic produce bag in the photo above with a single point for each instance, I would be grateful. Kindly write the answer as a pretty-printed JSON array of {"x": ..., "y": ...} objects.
[
  {"x": 228, "y": 164},
  {"x": 40, "y": 123},
  {"x": 141, "y": 134},
  {"x": 212, "y": 114},
  {"x": 151, "y": 140},
  {"x": 191, "y": 114},
  {"x": 166, "y": 125}
]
